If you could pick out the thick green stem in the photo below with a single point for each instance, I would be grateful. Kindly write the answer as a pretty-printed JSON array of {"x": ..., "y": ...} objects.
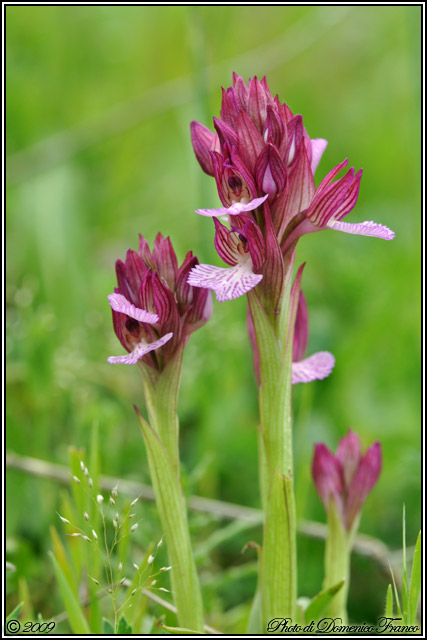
[
  {"x": 161, "y": 441},
  {"x": 279, "y": 570},
  {"x": 337, "y": 562}
]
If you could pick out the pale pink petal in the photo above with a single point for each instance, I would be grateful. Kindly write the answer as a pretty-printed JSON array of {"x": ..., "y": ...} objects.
[
  {"x": 368, "y": 228},
  {"x": 228, "y": 284},
  {"x": 316, "y": 367},
  {"x": 318, "y": 146},
  {"x": 234, "y": 210},
  {"x": 140, "y": 350},
  {"x": 122, "y": 305}
]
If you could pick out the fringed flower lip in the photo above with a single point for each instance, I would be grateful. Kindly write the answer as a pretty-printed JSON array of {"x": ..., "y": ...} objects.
[
  {"x": 228, "y": 283},
  {"x": 234, "y": 210},
  {"x": 243, "y": 250},
  {"x": 315, "y": 367},
  {"x": 140, "y": 350},
  {"x": 120, "y": 304}
]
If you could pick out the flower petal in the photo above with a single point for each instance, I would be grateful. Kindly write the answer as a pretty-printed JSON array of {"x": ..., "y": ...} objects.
[
  {"x": 228, "y": 283},
  {"x": 316, "y": 367},
  {"x": 140, "y": 350},
  {"x": 301, "y": 329},
  {"x": 363, "y": 482},
  {"x": 349, "y": 455},
  {"x": 367, "y": 228},
  {"x": 203, "y": 141},
  {"x": 327, "y": 475},
  {"x": 120, "y": 303},
  {"x": 235, "y": 209},
  {"x": 318, "y": 146}
]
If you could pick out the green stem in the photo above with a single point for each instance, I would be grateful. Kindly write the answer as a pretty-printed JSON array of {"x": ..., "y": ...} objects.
[
  {"x": 337, "y": 562},
  {"x": 278, "y": 571},
  {"x": 161, "y": 441}
]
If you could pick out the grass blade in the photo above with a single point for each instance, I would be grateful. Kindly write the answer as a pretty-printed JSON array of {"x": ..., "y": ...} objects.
[
  {"x": 389, "y": 603},
  {"x": 72, "y": 606},
  {"x": 415, "y": 588}
]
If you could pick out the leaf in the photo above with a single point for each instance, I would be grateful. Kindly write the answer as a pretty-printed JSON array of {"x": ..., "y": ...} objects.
[
  {"x": 254, "y": 624},
  {"x": 62, "y": 559},
  {"x": 415, "y": 588},
  {"x": 389, "y": 603},
  {"x": 405, "y": 587},
  {"x": 396, "y": 595},
  {"x": 172, "y": 511},
  {"x": 124, "y": 629},
  {"x": 278, "y": 577},
  {"x": 319, "y": 603},
  {"x": 72, "y": 606},
  {"x": 15, "y": 613},
  {"x": 107, "y": 627},
  {"x": 181, "y": 631}
]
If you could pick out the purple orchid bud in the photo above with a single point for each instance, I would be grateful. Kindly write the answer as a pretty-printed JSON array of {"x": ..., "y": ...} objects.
[
  {"x": 241, "y": 90},
  {"x": 226, "y": 135},
  {"x": 270, "y": 171},
  {"x": 347, "y": 477},
  {"x": 164, "y": 260},
  {"x": 250, "y": 140},
  {"x": 153, "y": 306},
  {"x": 257, "y": 103},
  {"x": 204, "y": 141},
  {"x": 230, "y": 106},
  {"x": 275, "y": 129},
  {"x": 295, "y": 134},
  {"x": 327, "y": 475}
]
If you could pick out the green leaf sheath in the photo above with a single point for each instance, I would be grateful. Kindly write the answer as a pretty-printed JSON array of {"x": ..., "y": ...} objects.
[
  {"x": 278, "y": 564},
  {"x": 278, "y": 570},
  {"x": 173, "y": 516}
]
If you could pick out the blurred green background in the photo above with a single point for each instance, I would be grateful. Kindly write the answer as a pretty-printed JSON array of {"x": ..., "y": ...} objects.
[{"x": 99, "y": 100}]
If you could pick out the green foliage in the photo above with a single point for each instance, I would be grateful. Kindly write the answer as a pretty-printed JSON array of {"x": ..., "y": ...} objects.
[
  {"x": 319, "y": 604},
  {"x": 407, "y": 607},
  {"x": 15, "y": 612},
  {"x": 99, "y": 151},
  {"x": 415, "y": 588},
  {"x": 73, "y": 608}
]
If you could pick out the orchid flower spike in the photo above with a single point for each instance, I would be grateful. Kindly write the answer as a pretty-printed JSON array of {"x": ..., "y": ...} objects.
[
  {"x": 346, "y": 477},
  {"x": 261, "y": 155},
  {"x": 154, "y": 309}
]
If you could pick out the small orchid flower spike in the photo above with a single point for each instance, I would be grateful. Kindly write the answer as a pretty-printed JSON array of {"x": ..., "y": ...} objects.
[
  {"x": 346, "y": 477},
  {"x": 264, "y": 162},
  {"x": 154, "y": 309},
  {"x": 241, "y": 248},
  {"x": 315, "y": 367}
]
